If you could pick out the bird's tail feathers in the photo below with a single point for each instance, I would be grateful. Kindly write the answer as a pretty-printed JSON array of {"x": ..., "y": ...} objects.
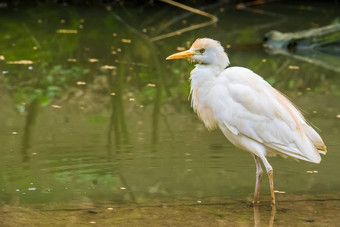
[{"x": 315, "y": 139}]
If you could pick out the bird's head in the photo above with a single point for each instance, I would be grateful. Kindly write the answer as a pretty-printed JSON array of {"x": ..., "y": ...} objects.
[{"x": 204, "y": 51}]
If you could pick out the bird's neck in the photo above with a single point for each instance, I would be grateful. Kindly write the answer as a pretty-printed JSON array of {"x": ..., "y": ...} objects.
[
  {"x": 203, "y": 78},
  {"x": 204, "y": 74}
]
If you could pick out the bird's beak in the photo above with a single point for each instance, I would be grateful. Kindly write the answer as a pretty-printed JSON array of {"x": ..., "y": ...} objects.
[{"x": 184, "y": 54}]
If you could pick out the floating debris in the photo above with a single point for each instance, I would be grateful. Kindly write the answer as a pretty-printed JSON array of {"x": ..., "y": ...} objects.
[
  {"x": 82, "y": 108},
  {"x": 280, "y": 192},
  {"x": 112, "y": 93},
  {"x": 71, "y": 60},
  {"x": 144, "y": 30},
  {"x": 56, "y": 106},
  {"x": 81, "y": 83},
  {"x": 17, "y": 190},
  {"x": 113, "y": 52},
  {"x": 228, "y": 46},
  {"x": 126, "y": 40},
  {"x": 122, "y": 188},
  {"x": 108, "y": 67},
  {"x": 199, "y": 201},
  {"x": 338, "y": 116},
  {"x": 264, "y": 60},
  {"x": 180, "y": 48},
  {"x": 31, "y": 189},
  {"x": 82, "y": 20},
  {"x": 151, "y": 85},
  {"x": 2, "y": 57},
  {"x": 131, "y": 99},
  {"x": 314, "y": 111},
  {"x": 312, "y": 171},
  {"x": 114, "y": 34},
  {"x": 92, "y": 222},
  {"x": 62, "y": 21},
  {"x": 20, "y": 62},
  {"x": 119, "y": 49},
  {"x": 295, "y": 67},
  {"x": 14, "y": 133},
  {"x": 67, "y": 31},
  {"x": 93, "y": 60},
  {"x": 39, "y": 21},
  {"x": 33, "y": 153},
  {"x": 35, "y": 48},
  {"x": 308, "y": 89},
  {"x": 141, "y": 106},
  {"x": 109, "y": 208}
]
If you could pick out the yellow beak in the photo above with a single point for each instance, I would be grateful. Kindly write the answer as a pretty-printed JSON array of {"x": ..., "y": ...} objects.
[{"x": 184, "y": 54}]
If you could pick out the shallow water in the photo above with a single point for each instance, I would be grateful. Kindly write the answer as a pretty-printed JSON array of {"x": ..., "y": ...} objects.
[{"x": 99, "y": 119}]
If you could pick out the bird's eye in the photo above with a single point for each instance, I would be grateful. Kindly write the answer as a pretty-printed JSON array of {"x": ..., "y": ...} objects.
[{"x": 202, "y": 50}]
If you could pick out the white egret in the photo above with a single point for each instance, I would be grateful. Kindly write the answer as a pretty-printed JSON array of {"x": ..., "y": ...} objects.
[{"x": 253, "y": 115}]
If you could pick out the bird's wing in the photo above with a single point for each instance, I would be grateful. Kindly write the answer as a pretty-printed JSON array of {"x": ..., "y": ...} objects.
[{"x": 252, "y": 108}]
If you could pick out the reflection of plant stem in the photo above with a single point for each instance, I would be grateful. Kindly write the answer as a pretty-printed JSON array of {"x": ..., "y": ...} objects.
[
  {"x": 117, "y": 118},
  {"x": 160, "y": 78},
  {"x": 155, "y": 114},
  {"x": 213, "y": 20},
  {"x": 31, "y": 35},
  {"x": 31, "y": 119}
]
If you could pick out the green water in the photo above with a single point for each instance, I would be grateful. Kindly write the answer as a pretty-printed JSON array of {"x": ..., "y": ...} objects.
[{"x": 99, "y": 119}]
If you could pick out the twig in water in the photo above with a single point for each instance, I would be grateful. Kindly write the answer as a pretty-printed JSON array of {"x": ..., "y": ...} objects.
[{"x": 213, "y": 20}]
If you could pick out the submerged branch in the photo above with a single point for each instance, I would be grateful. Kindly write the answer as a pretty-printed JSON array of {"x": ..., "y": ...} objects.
[{"x": 213, "y": 20}]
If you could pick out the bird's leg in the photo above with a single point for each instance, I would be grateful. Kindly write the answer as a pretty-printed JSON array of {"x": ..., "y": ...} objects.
[
  {"x": 259, "y": 172},
  {"x": 271, "y": 178},
  {"x": 271, "y": 184}
]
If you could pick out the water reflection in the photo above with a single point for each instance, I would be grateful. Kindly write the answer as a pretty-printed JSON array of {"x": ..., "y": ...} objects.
[
  {"x": 32, "y": 109},
  {"x": 257, "y": 219}
]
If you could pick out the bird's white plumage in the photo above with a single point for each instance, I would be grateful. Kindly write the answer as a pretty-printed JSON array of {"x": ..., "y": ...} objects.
[
  {"x": 252, "y": 114},
  {"x": 245, "y": 107}
]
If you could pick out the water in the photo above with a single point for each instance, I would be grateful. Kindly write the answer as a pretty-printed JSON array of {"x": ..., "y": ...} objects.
[{"x": 99, "y": 119}]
